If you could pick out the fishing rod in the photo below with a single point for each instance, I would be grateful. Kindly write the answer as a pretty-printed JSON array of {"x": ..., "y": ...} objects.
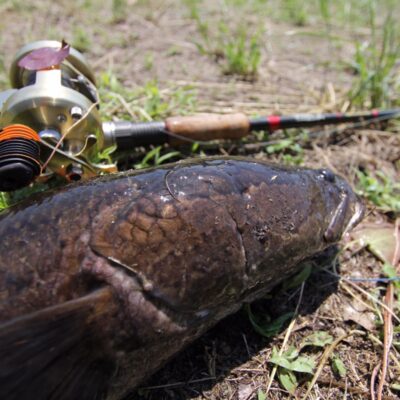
[
  {"x": 50, "y": 122},
  {"x": 205, "y": 127}
]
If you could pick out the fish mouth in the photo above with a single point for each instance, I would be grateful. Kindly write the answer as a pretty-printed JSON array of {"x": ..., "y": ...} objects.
[
  {"x": 359, "y": 213},
  {"x": 336, "y": 228}
]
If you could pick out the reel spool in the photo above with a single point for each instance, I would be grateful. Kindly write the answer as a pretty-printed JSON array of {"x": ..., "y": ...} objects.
[
  {"x": 53, "y": 102},
  {"x": 19, "y": 157}
]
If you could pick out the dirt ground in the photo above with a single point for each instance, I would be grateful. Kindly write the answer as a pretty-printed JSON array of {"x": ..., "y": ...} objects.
[{"x": 301, "y": 70}]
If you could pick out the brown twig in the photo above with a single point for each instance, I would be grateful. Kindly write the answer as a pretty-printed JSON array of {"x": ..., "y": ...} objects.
[
  {"x": 373, "y": 380},
  {"x": 387, "y": 317},
  {"x": 387, "y": 337},
  {"x": 371, "y": 297}
]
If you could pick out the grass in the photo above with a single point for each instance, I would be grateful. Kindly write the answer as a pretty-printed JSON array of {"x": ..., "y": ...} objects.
[
  {"x": 81, "y": 40},
  {"x": 289, "y": 151},
  {"x": 235, "y": 48},
  {"x": 119, "y": 10},
  {"x": 295, "y": 12},
  {"x": 3, "y": 80},
  {"x": 145, "y": 103},
  {"x": 4, "y": 201},
  {"x": 241, "y": 52},
  {"x": 375, "y": 63},
  {"x": 155, "y": 158},
  {"x": 379, "y": 189}
]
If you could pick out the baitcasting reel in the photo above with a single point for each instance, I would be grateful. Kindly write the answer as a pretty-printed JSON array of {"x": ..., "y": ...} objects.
[{"x": 50, "y": 118}]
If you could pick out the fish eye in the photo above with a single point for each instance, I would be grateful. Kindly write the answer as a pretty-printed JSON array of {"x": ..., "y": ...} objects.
[{"x": 328, "y": 175}]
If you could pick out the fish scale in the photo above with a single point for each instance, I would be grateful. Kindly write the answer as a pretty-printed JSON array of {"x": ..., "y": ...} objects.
[{"x": 142, "y": 263}]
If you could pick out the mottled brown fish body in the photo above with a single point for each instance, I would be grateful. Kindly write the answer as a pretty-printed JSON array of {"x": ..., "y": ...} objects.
[{"x": 102, "y": 282}]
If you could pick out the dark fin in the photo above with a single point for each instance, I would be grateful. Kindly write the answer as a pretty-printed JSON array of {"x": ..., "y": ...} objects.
[{"x": 56, "y": 353}]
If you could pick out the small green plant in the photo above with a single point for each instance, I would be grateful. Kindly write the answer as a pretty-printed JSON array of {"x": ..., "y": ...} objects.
[
  {"x": 261, "y": 395},
  {"x": 144, "y": 103},
  {"x": 338, "y": 367},
  {"x": 81, "y": 40},
  {"x": 290, "y": 151},
  {"x": 237, "y": 50},
  {"x": 325, "y": 10},
  {"x": 3, "y": 75},
  {"x": 241, "y": 52},
  {"x": 104, "y": 156},
  {"x": 390, "y": 271},
  {"x": 380, "y": 190},
  {"x": 265, "y": 325},
  {"x": 11, "y": 198},
  {"x": 375, "y": 62},
  {"x": 108, "y": 81},
  {"x": 317, "y": 339},
  {"x": 119, "y": 10},
  {"x": 4, "y": 201},
  {"x": 149, "y": 61},
  {"x": 295, "y": 12},
  {"x": 155, "y": 158},
  {"x": 158, "y": 104},
  {"x": 289, "y": 363}
]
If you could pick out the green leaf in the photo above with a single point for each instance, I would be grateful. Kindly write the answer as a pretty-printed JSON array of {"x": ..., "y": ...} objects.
[
  {"x": 276, "y": 325},
  {"x": 281, "y": 145},
  {"x": 4, "y": 202},
  {"x": 261, "y": 395},
  {"x": 291, "y": 362},
  {"x": 195, "y": 147},
  {"x": 380, "y": 189},
  {"x": 338, "y": 367},
  {"x": 317, "y": 339},
  {"x": 298, "y": 279},
  {"x": 303, "y": 364},
  {"x": 291, "y": 353},
  {"x": 104, "y": 155},
  {"x": 167, "y": 156},
  {"x": 280, "y": 359},
  {"x": 391, "y": 272},
  {"x": 264, "y": 326},
  {"x": 154, "y": 153},
  {"x": 287, "y": 379},
  {"x": 395, "y": 386}
]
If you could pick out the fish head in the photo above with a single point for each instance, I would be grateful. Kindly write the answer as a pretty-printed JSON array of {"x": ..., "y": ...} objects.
[
  {"x": 295, "y": 214},
  {"x": 345, "y": 209}
]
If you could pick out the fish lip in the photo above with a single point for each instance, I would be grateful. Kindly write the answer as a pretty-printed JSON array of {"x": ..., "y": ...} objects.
[{"x": 359, "y": 213}]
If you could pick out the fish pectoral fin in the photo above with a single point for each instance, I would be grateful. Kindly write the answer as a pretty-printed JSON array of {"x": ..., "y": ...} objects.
[{"x": 55, "y": 353}]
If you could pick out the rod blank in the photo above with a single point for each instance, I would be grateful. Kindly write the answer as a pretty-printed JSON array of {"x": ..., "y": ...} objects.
[{"x": 206, "y": 127}]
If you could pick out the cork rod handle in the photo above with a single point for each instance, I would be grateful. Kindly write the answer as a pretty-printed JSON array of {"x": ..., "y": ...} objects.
[{"x": 206, "y": 127}]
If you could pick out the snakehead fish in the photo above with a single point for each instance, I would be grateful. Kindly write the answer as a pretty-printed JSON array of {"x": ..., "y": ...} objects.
[{"x": 102, "y": 282}]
